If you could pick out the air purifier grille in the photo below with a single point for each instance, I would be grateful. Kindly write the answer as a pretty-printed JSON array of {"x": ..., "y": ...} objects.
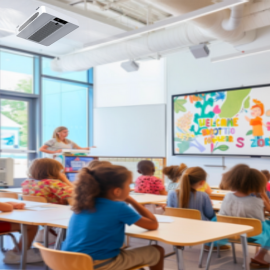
[
  {"x": 45, "y": 31},
  {"x": 28, "y": 21},
  {"x": 3, "y": 164}
]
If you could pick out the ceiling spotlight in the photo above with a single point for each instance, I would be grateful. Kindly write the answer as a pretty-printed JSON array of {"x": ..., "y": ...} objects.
[
  {"x": 130, "y": 66},
  {"x": 199, "y": 51}
]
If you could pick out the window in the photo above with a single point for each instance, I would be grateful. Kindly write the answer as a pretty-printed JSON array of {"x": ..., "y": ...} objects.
[
  {"x": 31, "y": 91},
  {"x": 65, "y": 104},
  {"x": 16, "y": 72}
]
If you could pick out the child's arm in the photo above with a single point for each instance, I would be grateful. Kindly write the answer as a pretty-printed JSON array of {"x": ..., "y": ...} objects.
[
  {"x": 6, "y": 207},
  {"x": 148, "y": 220},
  {"x": 266, "y": 201},
  {"x": 208, "y": 190},
  {"x": 64, "y": 179}
]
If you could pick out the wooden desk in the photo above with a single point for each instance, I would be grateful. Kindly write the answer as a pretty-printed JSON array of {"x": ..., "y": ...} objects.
[
  {"x": 181, "y": 232},
  {"x": 144, "y": 198},
  {"x": 14, "y": 190}
]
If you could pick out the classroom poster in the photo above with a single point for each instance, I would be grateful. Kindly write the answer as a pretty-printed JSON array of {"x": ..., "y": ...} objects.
[{"x": 232, "y": 122}]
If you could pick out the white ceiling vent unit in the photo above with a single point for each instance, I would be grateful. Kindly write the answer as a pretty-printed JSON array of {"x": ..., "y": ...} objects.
[{"x": 46, "y": 26}]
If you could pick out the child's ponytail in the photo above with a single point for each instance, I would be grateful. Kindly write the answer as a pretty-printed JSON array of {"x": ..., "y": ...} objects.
[
  {"x": 86, "y": 190},
  {"x": 96, "y": 182},
  {"x": 190, "y": 177},
  {"x": 184, "y": 192}
]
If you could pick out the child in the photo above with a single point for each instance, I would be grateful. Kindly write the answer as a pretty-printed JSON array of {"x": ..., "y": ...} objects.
[
  {"x": 205, "y": 188},
  {"x": 174, "y": 173},
  {"x": 267, "y": 175},
  {"x": 187, "y": 195},
  {"x": 100, "y": 207},
  {"x": 48, "y": 181},
  {"x": 244, "y": 181},
  {"x": 148, "y": 183},
  {"x": 12, "y": 256}
]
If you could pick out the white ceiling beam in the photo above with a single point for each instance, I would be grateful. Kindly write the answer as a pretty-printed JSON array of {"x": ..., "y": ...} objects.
[{"x": 88, "y": 14}]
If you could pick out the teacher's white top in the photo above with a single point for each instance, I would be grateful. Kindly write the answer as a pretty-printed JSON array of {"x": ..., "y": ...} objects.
[{"x": 54, "y": 145}]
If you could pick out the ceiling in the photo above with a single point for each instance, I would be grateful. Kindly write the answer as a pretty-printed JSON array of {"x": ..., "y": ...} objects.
[{"x": 97, "y": 19}]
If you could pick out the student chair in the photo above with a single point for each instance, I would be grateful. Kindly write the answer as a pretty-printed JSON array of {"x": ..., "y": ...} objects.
[
  {"x": 32, "y": 198},
  {"x": 10, "y": 195},
  {"x": 255, "y": 223},
  {"x": 62, "y": 260},
  {"x": 13, "y": 239}
]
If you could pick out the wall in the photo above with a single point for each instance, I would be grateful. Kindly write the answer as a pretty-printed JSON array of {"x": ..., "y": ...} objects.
[
  {"x": 115, "y": 87},
  {"x": 187, "y": 75}
]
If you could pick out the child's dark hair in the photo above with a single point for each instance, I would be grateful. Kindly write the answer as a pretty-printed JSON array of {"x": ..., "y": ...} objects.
[
  {"x": 45, "y": 168},
  {"x": 174, "y": 172},
  {"x": 244, "y": 179},
  {"x": 266, "y": 174},
  {"x": 93, "y": 183},
  {"x": 146, "y": 167}
]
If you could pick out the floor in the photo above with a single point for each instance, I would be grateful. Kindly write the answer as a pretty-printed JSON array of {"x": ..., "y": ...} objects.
[{"x": 191, "y": 257}]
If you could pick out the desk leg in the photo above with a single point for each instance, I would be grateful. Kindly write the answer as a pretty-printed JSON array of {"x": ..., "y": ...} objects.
[
  {"x": 46, "y": 236},
  {"x": 179, "y": 257},
  {"x": 209, "y": 256},
  {"x": 59, "y": 239},
  {"x": 24, "y": 246},
  {"x": 245, "y": 251},
  {"x": 201, "y": 257}
]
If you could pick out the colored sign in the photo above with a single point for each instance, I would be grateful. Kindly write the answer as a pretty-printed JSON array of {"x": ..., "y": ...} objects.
[{"x": 233, "y": 122}]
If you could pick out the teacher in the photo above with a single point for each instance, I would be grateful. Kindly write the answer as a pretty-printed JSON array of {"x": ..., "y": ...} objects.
[{"x": 59, "y": 141}]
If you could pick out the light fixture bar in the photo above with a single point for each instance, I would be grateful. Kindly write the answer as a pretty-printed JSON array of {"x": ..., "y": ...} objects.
[
  {"x": 240, "y": 54},
  {"x": 165, "y": 23}
]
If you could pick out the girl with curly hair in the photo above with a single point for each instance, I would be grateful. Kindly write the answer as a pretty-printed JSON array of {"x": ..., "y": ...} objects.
[{"x": 97, "y": 226}]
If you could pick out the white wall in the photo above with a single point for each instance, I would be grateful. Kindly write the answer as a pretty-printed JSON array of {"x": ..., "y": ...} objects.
[
  {"x": 187, "y": 75},
  {"x": 115, "y": 87}
]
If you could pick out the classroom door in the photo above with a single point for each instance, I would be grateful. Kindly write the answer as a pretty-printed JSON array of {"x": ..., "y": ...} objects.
[{"x": 16, "y": 124}]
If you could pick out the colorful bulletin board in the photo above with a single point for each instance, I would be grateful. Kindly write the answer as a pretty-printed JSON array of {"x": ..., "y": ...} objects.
[{"x": 224, "y": 122}]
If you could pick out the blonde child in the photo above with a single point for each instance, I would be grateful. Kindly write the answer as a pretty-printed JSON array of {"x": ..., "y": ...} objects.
[
  {"x": 100, "y": 207},
  {"x": 147, "y": 182},
  {"x": 187, "y": 195},
  {"x": 48, "y": 180},
  {"x": 12, "y": 256},
  {"x": 174, "y": 173},
  {"x": 245, "y": 181}
]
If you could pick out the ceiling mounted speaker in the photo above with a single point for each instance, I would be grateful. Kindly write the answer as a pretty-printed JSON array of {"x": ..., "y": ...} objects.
[
  {"x": 130, "y": 66},
  {"x": 200, "y": 51}
]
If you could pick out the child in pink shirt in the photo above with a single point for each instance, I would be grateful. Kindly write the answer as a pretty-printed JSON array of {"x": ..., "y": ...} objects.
[{"x": 147, "y": 182}]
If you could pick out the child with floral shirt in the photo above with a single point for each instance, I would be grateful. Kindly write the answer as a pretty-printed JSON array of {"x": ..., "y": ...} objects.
[{"x": 48, "y": 181}]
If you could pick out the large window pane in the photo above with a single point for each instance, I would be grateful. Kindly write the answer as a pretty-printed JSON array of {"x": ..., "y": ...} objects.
[
  {"x": 75, "y": 76},
  {"x": 14, "y": 124},
  {"x": 16, "y": 72},
  {"x": 65, "y": 104}
]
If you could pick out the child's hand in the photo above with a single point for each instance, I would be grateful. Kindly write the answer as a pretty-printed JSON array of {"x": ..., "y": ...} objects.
[
  {"x": 129, "y": 199},
  {"x": 16, "y": 205}
]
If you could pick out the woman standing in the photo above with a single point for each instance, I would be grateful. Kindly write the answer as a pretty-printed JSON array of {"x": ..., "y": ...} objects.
[{"x": 59, "y": 142}]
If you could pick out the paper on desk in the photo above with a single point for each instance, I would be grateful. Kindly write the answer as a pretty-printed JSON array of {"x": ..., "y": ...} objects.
[
  {"x": 39, "y": 207},
  {"x": 164, "y": 219}
]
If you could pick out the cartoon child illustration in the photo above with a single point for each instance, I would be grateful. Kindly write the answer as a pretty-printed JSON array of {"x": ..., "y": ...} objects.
[{"x": 257, "y": 124}]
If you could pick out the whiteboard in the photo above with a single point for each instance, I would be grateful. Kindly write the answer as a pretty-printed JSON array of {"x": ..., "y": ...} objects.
[{"x": 135, "y": 131}]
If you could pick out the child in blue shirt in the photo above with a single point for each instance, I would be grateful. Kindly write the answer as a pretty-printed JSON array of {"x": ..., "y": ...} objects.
[
  {"x": 97, "y": 227},
  {"x": 187, "y": 196}
]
